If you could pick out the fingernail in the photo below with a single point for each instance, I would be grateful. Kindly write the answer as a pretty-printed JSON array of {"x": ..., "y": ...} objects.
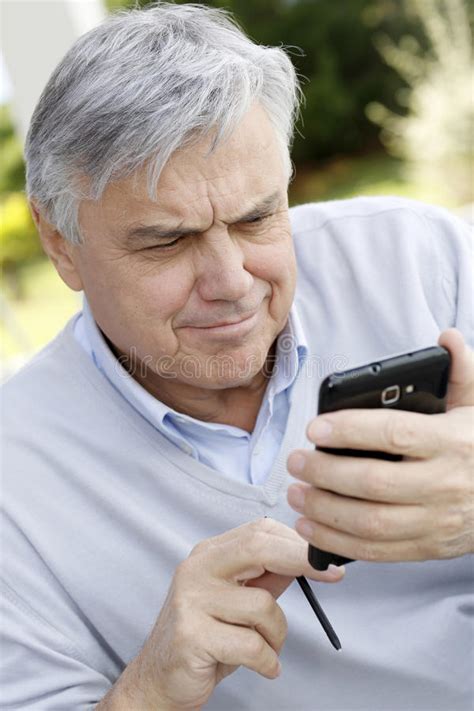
[
  {"x": 320, "y": 430},
  {"x": 296, "y": 463},
  {"x": 296, "y": 497},
  {"x": 336, "y": 570}
]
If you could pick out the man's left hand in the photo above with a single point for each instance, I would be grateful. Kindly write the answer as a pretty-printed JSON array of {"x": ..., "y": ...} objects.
[{"x": 419, "y": 508}]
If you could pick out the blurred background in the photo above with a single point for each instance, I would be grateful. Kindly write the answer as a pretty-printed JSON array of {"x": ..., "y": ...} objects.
[{"x": 389, "y": 110}]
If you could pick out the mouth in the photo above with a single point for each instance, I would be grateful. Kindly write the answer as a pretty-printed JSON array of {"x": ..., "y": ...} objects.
[
  {"x": 220, "y": 324},
  {"x": 227, "y": 328}
]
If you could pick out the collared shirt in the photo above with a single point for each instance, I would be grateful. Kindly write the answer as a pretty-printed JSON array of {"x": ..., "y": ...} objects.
[{"x": 243, "y": 456}]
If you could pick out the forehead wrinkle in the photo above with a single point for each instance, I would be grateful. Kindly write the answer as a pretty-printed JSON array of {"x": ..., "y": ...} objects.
[{"x": 140, "y": 231}]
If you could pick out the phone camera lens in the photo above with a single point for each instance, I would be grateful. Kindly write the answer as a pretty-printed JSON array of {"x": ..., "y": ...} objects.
[{"x": 391, "y": 395}]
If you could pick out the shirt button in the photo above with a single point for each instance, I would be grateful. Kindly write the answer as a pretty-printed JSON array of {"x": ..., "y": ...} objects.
[{"x": 186, "y": 448}]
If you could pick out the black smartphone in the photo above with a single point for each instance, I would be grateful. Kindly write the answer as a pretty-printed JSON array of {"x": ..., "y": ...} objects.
[{"x": 415, "y": 381}]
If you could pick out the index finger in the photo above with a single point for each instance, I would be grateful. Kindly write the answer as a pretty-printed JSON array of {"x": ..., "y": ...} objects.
[
  {"x": 259, "y": 547},
  {"x": 383, "y": 430}
]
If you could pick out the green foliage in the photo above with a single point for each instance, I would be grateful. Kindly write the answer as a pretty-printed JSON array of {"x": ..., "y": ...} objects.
[
  {"x": 341, "y": 68},
  {"x": 19, "y": 241},
  {"x": 374, "y": 174},
  {"x": 18, "y": 238},
  {"x": 434, "y": 137},
  {"x": 45, "y": 305},
  {"x": 12, "y": 168}
]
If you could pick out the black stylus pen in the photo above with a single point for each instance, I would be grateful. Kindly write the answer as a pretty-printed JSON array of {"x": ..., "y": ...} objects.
[{"x": 319, "y": 612}]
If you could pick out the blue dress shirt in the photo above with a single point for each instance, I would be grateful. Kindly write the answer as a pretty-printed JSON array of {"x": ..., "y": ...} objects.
[{"x": 241, "y": 455}]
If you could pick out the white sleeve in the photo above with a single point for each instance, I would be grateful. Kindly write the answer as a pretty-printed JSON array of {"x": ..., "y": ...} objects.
[
  {"x": 453, "y": 241},
  {"x": 41, "y": 670}
]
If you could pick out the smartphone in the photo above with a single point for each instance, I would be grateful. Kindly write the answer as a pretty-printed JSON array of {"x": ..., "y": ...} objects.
[{"x": 416, "y": 381}]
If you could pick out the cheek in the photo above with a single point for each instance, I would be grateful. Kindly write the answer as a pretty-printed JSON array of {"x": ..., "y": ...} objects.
[
  {"x": 274, "y": 263},
  {"x": 281, "y": 273},
  {"x": 135, "y": 302},
  {"x": 164, "y": 293},
  {"x": 149, "y": 308}
]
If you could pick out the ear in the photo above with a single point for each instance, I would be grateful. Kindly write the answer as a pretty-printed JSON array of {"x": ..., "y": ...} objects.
[{"x": 59, "y": 250}]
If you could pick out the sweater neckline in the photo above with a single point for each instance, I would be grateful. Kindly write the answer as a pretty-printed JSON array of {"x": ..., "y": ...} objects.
[{"x": 302, "y": 408}]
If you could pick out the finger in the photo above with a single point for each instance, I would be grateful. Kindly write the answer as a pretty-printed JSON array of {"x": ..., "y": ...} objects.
[
  {"x": 381, "y": 430},
  {"x": 236, "y": 533},
  {"x": 277, "y": 584},
  {"x": 344, "y": 544},
  {"x": 405, "y": 482},
  {"x": 461, "y": 376},
  {"x": 237, "y": 646},
  {"x": 364, "y": 519},
  {"x": 261, "y": 547},
  {"x": 249, "y": 607}
]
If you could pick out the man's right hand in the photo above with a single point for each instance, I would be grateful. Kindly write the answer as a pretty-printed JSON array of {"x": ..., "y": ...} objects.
[{"x": 220, "y": 613}]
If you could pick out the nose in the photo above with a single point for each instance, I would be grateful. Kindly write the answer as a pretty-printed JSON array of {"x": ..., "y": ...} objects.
[{"x": 220, "y": 270}]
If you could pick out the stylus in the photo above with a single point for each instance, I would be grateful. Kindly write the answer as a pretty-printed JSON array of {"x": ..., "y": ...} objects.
[{"x": 319, "y": 612}]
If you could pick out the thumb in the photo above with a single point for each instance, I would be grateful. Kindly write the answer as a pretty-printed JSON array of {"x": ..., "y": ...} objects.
[
  {"x": 461, "y": 377},
  {"x": 277, "y": 584}
]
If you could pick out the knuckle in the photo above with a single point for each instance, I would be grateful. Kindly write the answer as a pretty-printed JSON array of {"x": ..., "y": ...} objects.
[
  {"x": 459, "y": 487},
  {"x": 263, "y": 602},
  {"x": 255, "y": 544},
  {"x": 259, "y": 529},
  {"x": 374, "y": 525},
  {"x": 399, "y": 433},
  {"x": 465, "y": 447},
  {"x": 267, "y": 525},
  {"x": 378, "y": 484},
  {"x": 263, "y": 541},
  {"x": 255, "y": 645},
  {"x": 188, "y": 581},
  {"x": 451, "y": 524},
  {"x": 368, "y": 552}
]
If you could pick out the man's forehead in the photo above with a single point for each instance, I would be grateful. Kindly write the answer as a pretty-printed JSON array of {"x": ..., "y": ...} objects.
[
  {"x": 222, "y": 200},
  {"x": 129, "y": 203},
  {"x": 197, "y": 184}
]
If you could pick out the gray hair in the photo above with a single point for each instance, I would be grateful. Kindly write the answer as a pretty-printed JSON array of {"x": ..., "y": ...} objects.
[{"x": 137, "y": 87}]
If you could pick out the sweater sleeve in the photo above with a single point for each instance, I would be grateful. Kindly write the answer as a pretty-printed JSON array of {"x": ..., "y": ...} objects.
[
  {"x": 453, "y": 241},
  {"x": 41, "y": 670}
]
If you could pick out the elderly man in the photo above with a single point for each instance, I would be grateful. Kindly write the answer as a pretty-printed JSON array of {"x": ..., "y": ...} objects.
[{"x": 149, "y": 527}]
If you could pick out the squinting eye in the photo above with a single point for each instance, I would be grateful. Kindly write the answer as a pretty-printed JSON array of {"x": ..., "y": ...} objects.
[
  {"x": 256, "y": 220},
  {"x": 163, "y": 246}
]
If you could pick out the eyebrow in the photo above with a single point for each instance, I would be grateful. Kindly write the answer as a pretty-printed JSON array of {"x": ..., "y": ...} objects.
[{"x": 147, "y": 232}]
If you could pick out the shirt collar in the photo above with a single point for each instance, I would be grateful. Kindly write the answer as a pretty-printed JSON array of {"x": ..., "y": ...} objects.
[
  {"x": 291, "y": 350},
  {"x": 147, "y": 405}
]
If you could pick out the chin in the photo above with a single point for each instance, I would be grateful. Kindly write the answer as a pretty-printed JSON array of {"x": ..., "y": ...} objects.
[{"x": 222, "y": 371}]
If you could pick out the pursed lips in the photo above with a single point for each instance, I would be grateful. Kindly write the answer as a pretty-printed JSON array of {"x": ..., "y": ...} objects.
[
  {"x": 228, "y": 323},
  {"x": 219, "y": 324}
]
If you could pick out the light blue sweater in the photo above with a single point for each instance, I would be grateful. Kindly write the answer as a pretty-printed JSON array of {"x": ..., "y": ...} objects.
[{"x": 100, "y": 507}]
